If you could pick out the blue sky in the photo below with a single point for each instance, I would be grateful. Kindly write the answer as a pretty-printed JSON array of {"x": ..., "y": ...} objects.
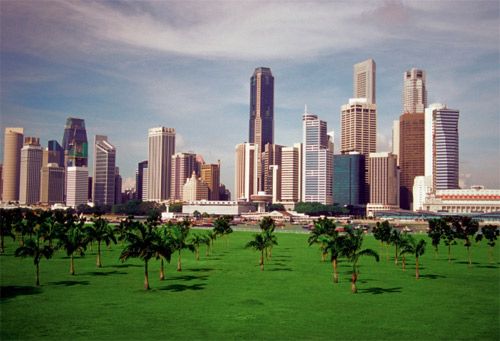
[{"x": 125, "y": 67}]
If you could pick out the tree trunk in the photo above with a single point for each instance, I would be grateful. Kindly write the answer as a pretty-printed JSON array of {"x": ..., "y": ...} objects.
[
  {"x": 335, "y": 273},
  {"x": 98, "y": 263},
  {"x": 179, "y": 265},
  {"x": 387, "y": 251},
  {"x": 404, "y": 263},
  {"x": 71, "y": 266},
  {"x": 396, "y": 256},
  {"x": 38, "y": 274},
  {"x": 271, "y": 252},
  {"x": 262, "y": 260},
  {"x": 162, "y": 270},
  {"x": 354, "y": 278},
  {"x": 146, "y": 277},
  {"x": 469, "y": 256},
  {"x": 449, "y": 253},
  {"x": 417, "y": 273},
  {"x": 323, "y": 256}
]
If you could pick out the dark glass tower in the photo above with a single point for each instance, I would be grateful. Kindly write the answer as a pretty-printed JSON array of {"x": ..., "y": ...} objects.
[
  {"x": 75, "y": 143},
  {"x": 261, "y": 130},
  {"x": 349, "y": 179},
  {"x": 56, "y": 153}
]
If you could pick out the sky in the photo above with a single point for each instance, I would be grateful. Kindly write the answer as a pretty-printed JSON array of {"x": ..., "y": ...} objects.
[{"x": 127, "y": 66}]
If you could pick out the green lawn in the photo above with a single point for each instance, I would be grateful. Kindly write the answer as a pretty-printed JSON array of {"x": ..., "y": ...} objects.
[{"x": 226, "y": 296}]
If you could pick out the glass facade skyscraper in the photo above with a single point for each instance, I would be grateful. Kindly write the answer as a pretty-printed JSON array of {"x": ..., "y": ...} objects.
[
  {"x": 75, "y": 143},
  {"x": 349, "y": 186},
  {"x": 261, "y": 129}
]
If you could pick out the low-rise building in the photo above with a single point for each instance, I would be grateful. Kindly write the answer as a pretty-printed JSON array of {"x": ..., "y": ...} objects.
[
  {"x": 477, "y": 199},
  {"x": 218, "y": 207}
]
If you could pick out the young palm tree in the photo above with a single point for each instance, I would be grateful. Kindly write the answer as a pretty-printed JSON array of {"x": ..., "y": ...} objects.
[
  {"x": 333, "y": 244},
  {"x": 74, "y": 240},
  {"x": 382, "y": 232},
  {"x": 352, "y": 250},
  {"x": 490, "y": 233},
  {"x": 178, "y": 237},
  {"x": 396, "y": 239},
  {"x": 197, "y": 240},
  {"x": 222, "y": 227},
  {"x": 100, "y": 231},
  {"x": 448, "y": 236},
  {"x": 465, "y": 229},
  {"x": 435, "y": 232},
  {"x": 8, "y": 219},
  {"x": 322, "y": 227},
  {"x": 164, "y": 248},
  {"x": 141, "y": 243},
  {"x": 259, "y": 243},
  {"x": 413, "y": 247}
]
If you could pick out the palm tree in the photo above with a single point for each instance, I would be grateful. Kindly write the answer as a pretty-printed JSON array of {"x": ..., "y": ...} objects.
[
  {"x": 267, "y": 227},
  {"x": 35, "y": 247},
  {"x": 396, "y": 239},
  {"x": 322, "y": 227},
  {"x": 382, "y": 232},
  {"x": 222, "y": 227},
  {"x": 411, "y": 246},
  {"x": 465, "y": 229},
  {"x": 259, "y": 243},
  {"x": 74, "y": 240},
  {"x": 124, "y": 225},
  {"x": 197, "y": 240},
  {"x": 449, "y": 236},
  {"x": 100, "y": 231},
  {"x": 178, "y": 237},
  {"x": 352, "y": 250},
  {"x": 436, "y": 230},
  {"x": 8, "y": 219},
  {"x": 490, "y": 232},
  {"x": 333, "y": 244},
  {"x": 141, "y": 243},
  {"x": 164, "y": 248}
]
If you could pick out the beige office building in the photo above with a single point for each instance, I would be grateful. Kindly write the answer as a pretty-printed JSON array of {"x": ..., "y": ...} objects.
[
  {"x": 13, "y": 142},
  {"x": 364, "y": 80},
  {"x": 359, "y": 127},
  {"x": 414, "y": 91},
  {"x": 31, "y": 164},
  {"x": 271, "y": 156},
  {"x": 194, "y": 189},
  {"x": 52, "y": 184},
  {"x": 210, "y": 174},
  {"x": 291, "y": 173},
  {"x": 246, "y": 170},
  {"x": 161, "y": 147},
  {"x": 384, "y": 179},
  {"x": 77, "y": 185},
  {"x": 183, "y": 164}
]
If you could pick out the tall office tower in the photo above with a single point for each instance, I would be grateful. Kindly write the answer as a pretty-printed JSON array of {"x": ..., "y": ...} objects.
[
  {"x": 441, "y": 146},
  {"x": 103, "y": 182},
  {"x": 384, "y": 179},
  {"x": 349, "y": 187},
  {"x": 118, "y": 186},
  {"x": 75, "y": 143},
  {"x": 291, "y": 173},
  {"x": 359, "y": 127},
  {"x": 13, "y": 142},
  {"x": 145, "y": 182},
  {"x": 210, "y": 174},
  {"x": 318, "y": 158},
  {"x": 246, "y": 170},
  {"x": 52, "y": 184},
  {"x": 194, "y": 189},
  {"x": 224, "y": 193},
  {"x": 411, "y": 154},
  {"x": 183, "y": 164},
  {"x": 31, "y": 164},
  {"x": 414, "y": 91},
  {"x": 261, "y": 127},
  {"x": 364, "y": 80},
  {"x": 55, "y": 153},
  {"x": 1, "y": 182},
  {"x": 77, "y": 185},
  {"x": 271, "y": 156},
  {"x": 161, "y": 147},
  {"x": 395, "y": 138},
  {"x": 139, "y": 178}
]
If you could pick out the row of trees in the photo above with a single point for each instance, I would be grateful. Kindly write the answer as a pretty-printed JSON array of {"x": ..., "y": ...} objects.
[{"x": 265, "y": 240}]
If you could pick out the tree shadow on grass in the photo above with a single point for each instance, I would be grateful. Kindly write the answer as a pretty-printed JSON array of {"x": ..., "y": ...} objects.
[
  {"x": 280, "y": 269},
  {"x": 105, "y": 273},
  {"x": 490, "y": 266},
  {"x": 379, "y": 291},
  {"x": 120, "y": 266},
  {"x": 183, "y": 287},
  {"x": 466, "y": 262},
  {"x": 187, "y": 278},
  {"x": 201, "y": 269},
  {"x": 432, "y": 276},
  {"x": 12, "y": 291},
  {"x": 70, "y": 283}
]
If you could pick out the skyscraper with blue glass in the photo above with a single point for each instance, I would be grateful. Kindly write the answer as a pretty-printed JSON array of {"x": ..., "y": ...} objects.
[{"x": 349, "y": 186}]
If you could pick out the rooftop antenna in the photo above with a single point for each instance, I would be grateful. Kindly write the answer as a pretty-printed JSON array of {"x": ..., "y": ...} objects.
[{"x": 305, "y": 108}]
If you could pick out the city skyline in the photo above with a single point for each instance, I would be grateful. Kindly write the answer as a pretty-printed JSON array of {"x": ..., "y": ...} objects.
[{"x": 183, "y": 68}]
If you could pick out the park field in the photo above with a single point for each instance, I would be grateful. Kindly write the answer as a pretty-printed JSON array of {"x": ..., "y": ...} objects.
[{"x": 226, "y": 296}]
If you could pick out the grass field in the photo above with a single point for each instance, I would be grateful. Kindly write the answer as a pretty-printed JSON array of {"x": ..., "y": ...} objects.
[{"x": 226, "y": 296}]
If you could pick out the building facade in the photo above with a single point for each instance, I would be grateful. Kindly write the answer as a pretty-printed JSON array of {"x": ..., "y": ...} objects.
[
  {"x": 261, "y": 125},
  {"x": 271, "y": 156},
  {"x": 291, "y": 173},
  {"x": 183, "y": 164},
  {"x": 142, "y": 168},
  {"x": 246, "y": 170},
  {"x": 358, "y": 127},
  {"x": 161, "y": 147},
  {"x": 13, "y": 142},
  {"x": 210, "y": 174},
  {"x": 414, "y": 91},
  {"x": 31, "y": 164},
  {"x": 464, "y": 201},
  {"x": 103, "y": 180},
  {"x": 364, "y": 80},
  {"x": 194, "y": 189},
  {"x": 75, "y": 143},
  {"x": 349, "y": 185},
  {"x": 77, "y": 184},
  {"x": 52, "y": 184},
  {"x": 384, "y": 179}
]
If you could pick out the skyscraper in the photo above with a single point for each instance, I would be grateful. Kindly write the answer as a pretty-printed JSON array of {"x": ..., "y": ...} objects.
[
  {"x": 358, "y": 127},
  {"x": 118, "y": 186},
  {"x": 364, "y": 81},
  {"x": 75, "y": 143},
  {"x": 52, "y": 184},
  {"x": 210, "y": 174},
  {"x": 414, "y": 91},
  {"x": 291, "y": 173},
  {"x": 183, "y": 165},
  {"x": 317, "y": 183},
  {"x": 13, "y": 142},
  {"x": 395, "y": 138},
  {"x": 31, "y": 164},
  {"x": 161, "y": 147},
  {"x": 103, "y": 182},
  {"x": 261, "y": 127},
  {"x": 411, "y": 154},
  {"x": 194, "y": 189},
  {"x": 142, "y": 168},
  {"x": 349, "y": 179},
  {"x": 77, "y": 185},
  {"x": 271, "y": 156},
  {"x": 246, "y": 170},
  {"x": 441, "y": 146},
  {"x": 55, "y": 153},
  {"x": 384, "y": 179}
]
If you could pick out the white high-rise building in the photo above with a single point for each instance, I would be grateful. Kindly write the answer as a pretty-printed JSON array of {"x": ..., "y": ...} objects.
[
  {"x": 161, "y": 147},
  {"x": 194, "y": 189},
  {"x": 442, "y": 146},
  {"x": 291, "y": 173},
  {"x": 395, "y": 139},
  {"x": 31, "y": 164},
  {"x": 422, "y": 187},
  {"x": 364, "y": 80},
  {"x": 246, "y": 170},
  {"x": 103, "y": 181},
  {"x": 77, "y": 185},
  {"x": 318, "y": 165},
  {"x": 414, "y": 91}
]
